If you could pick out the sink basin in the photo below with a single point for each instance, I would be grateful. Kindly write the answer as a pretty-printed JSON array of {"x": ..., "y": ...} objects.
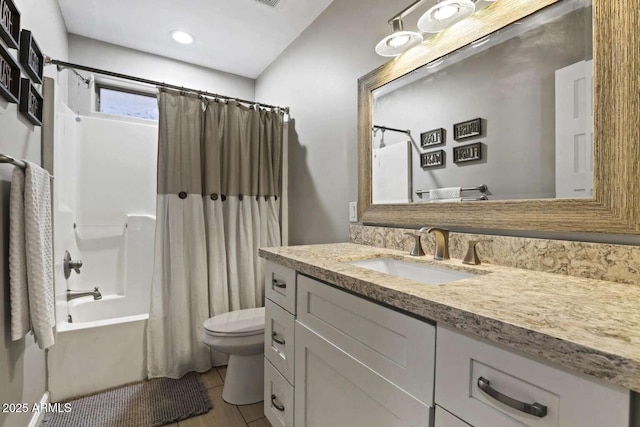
[{"x": 409, "y": 270}]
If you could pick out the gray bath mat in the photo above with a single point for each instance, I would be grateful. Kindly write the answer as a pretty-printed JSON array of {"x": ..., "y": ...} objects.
[{"x": 147, "y": 404}]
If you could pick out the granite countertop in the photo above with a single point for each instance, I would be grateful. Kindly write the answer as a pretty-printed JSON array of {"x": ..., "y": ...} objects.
[{"x": 590, "y": 326}]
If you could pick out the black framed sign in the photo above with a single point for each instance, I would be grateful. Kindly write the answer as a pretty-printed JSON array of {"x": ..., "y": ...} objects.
[
  {"x": 30, "y": 102},
  {"x": 468, "y": 129},
  {"x": 9, "y": 23},
  {"x": 9, "y": 77},
  {"x": 467, "y": 153},
  {"x": 432, "y": 159},
  {"x": 432, "y": 137},
  {"x": 31, "y": 56}
]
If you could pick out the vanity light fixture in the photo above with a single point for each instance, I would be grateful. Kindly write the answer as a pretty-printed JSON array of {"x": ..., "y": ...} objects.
[
  {"x": 444, "y": 14},
  {"x": 399, "y": 40},
  {"x": 182, "y": 37},
  {"x": 439, "y": 17}
]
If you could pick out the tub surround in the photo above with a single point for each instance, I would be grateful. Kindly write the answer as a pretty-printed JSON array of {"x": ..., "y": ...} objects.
[
  {"x": 614, "y": 263},
  {"x": 588, "y": 325}
]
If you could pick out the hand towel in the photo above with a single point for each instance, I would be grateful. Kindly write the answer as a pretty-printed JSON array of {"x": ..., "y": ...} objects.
[
  {"x": 445, "y": 193},
  {"x": 18, "y": 294},
  {"x": 458, "y": 199},
  {"x": 38, "y": 250}
]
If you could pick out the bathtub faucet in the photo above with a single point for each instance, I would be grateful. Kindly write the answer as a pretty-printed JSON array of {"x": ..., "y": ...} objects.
[{"x": 79, "y": 294}]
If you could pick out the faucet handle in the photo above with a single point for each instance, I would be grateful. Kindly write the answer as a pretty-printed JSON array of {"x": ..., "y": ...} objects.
[
  {"x": 417, "y": 247},
  {"x": 472, "y": 257}
]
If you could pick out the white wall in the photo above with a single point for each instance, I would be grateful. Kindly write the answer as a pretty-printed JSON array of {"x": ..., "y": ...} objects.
[
  {"x": 106, "y": 56},
  {"x": 317, "y": 77},
  {"x": 22, "y": 363}
]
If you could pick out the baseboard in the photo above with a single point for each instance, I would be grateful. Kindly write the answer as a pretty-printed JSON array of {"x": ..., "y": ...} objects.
[{"x": 36, "y": 418}]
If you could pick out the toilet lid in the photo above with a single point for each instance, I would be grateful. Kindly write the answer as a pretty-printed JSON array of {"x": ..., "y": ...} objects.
[{"x": 240, "y": 322}]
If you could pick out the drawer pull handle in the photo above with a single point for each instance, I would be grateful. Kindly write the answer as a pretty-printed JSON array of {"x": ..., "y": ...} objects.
[
  {"x": 535, "y": 409},
  {"x": 275, "y": 404},
  {"x": 276, "y": 339},
  {"x": 279, "y": 284}
]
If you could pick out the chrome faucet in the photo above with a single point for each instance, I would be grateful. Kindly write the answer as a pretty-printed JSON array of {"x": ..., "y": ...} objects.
[
  {"x": 442, "y": 241},
  {"x": 79, "y": 294}
]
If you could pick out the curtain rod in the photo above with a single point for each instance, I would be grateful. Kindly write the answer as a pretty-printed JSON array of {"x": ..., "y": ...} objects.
[{"x": 62, "y": 64}]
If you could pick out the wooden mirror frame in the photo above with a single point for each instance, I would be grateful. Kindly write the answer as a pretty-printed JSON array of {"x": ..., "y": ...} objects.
[{"x": 615, "y": 207}]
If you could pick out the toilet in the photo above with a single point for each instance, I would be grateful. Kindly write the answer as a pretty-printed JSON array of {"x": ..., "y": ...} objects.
[{"x": 240, "y": 334}]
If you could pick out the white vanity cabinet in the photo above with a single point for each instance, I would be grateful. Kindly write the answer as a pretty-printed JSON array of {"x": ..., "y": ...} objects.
[{"x": 337, "y": 359}]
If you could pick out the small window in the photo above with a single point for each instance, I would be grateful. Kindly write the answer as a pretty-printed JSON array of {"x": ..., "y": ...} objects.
[{"x": 122, "y": 102}]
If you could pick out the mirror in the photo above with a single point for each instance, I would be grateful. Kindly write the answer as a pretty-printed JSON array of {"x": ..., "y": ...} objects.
[
  {"x": 508, "y": 116},
  {"x": 613, "y": 207}
]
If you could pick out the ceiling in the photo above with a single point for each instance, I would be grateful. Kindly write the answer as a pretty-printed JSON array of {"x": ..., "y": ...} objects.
[{"x": 237, "y": 36}]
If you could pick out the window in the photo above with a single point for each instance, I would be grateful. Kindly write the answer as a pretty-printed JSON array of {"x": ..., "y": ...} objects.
[{"x": 122, "y": 102}]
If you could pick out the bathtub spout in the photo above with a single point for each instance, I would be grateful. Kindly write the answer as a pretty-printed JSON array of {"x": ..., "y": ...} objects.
[{"x": 79, "y": 294}]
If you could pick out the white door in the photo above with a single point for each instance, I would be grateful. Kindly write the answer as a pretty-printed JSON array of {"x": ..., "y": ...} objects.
[
  {"x": 334, "y": 389},
  {"x": 574, "y": 131}
]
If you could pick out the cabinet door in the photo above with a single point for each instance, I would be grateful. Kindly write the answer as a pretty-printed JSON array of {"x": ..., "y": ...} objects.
[
  {"x": 334, "y": 389},
  {"x": 394, "y": 345}
]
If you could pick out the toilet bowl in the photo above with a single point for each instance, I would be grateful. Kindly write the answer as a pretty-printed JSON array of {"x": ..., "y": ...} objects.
[{"x": 240, "y": 334}]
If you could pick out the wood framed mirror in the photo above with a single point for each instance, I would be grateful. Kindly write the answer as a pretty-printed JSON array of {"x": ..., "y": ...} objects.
[{"x": 615, "y": 205}]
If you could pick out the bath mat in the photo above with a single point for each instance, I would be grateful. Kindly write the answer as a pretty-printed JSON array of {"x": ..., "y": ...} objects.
[{"x": 147, "y": 404}]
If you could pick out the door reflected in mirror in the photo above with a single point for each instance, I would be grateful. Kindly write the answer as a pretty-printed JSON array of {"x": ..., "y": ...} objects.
[{"x": 510, "y": 114}]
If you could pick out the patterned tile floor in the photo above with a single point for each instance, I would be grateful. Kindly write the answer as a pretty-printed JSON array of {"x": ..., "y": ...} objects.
[{"x": 224, "y": 414}]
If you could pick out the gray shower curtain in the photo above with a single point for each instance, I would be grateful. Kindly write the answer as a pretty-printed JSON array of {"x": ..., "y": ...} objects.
[{"x": 219, "y": 181}]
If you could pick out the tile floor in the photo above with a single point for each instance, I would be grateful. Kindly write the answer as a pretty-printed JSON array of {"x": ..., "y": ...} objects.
[{"x": 224, "y": 414}]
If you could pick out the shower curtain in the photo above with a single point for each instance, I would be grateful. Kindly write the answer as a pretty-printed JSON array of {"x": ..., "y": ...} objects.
[{"x": 219, "y": 181}]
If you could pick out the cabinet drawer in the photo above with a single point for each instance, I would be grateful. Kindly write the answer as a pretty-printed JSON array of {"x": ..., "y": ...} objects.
[
  {"x": 278, "y": 397},
  {"x": 476, "y": 380},
  {"x": 395, "y": 346},
  {"x": 334, "y": 389},
  {"x": 279, "y": 339},
  {"x": 445, "y": 419},
  {"x": 280, "y": 286}
]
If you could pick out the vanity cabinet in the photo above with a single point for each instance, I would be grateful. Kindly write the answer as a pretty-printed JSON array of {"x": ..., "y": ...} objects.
[{"x": 337, "y": 359}]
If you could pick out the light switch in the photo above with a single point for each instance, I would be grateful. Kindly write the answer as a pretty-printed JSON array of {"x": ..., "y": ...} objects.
[{"x": 353, "y": 211}]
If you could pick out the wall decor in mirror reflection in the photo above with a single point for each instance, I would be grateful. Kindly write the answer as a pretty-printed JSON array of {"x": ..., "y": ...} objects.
[
  {"x": 9, "y": 76},
  {"x": 432, "y": 137},
  {"x": 532, "y": 81},
  {"x": 9, "y": 23}
]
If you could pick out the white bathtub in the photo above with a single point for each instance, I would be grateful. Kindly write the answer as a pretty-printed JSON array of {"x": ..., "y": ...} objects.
[{"x": 104, "y": 346}]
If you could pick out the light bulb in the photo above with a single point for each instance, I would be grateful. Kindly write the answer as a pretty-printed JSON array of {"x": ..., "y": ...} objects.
[
  {"x": 399, "y": 41},
  {"x": 445, "y": 12}
]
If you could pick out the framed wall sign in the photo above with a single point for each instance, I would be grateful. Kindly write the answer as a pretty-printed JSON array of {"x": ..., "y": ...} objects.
[
  {"x": 468, "y": 129},
  {"x": 9, "y": 76},
  {"x": 432, "y": 137},
  {"x": 467, "y": 153},
  {"x": 432, "y": 159},
  {"x": 9, "y": 23},
  {"x": 31, "y": 56},
  {"x": 30, "y": 102}
]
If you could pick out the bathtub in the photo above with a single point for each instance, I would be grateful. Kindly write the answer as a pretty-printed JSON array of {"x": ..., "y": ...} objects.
[{"x": 104, "y": 346}]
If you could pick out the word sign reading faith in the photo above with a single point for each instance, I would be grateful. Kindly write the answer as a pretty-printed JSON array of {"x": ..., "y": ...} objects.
[{"x": 432, "y": 159}]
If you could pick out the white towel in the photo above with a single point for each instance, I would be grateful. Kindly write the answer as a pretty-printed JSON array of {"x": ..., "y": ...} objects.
[
  {"x": 445, "y": 193},
  {"x": 459, "y": 199},
  {"x": 18, "y": 259},
  {"x": 37, "y": 249}
]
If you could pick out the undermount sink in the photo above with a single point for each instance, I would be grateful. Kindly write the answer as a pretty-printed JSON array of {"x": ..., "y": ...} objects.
[{"x": 419, "y": 272}]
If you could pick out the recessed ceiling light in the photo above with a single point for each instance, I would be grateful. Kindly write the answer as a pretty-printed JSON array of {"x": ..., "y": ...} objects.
[{"x": 182, "y": 37}]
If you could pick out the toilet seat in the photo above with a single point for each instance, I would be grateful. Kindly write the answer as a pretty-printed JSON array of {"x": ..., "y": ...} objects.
[{"x": 240, "y": 323}]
